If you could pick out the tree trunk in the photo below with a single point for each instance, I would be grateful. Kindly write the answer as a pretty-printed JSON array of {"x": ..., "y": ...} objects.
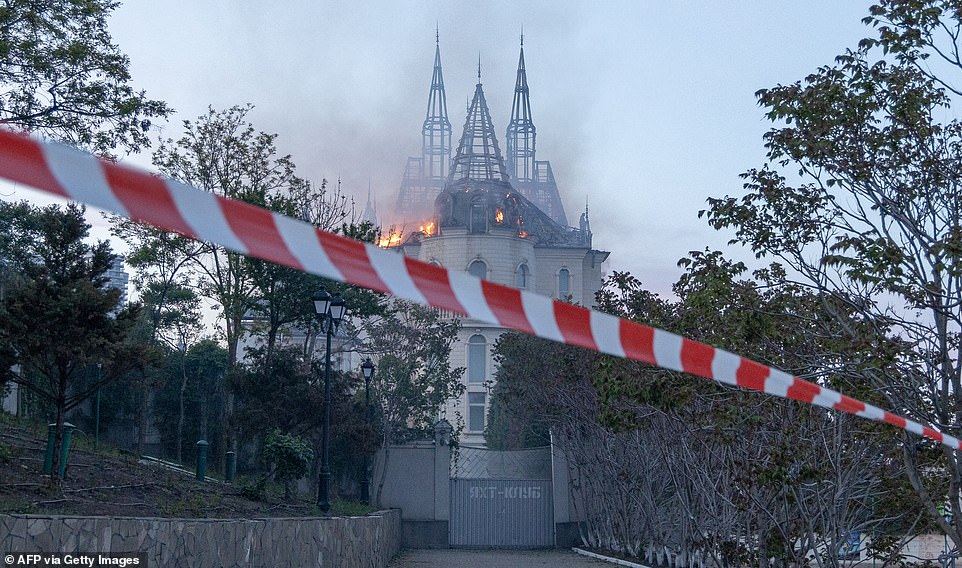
[
  {"x": 142, "y": 421},
  {"x": 180, "y": 415},
  {"x": 387, "y": 455},
  {"x": 58, "y": 443}
]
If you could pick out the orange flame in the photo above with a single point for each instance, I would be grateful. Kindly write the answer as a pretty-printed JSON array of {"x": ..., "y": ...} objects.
[
  {"x": 392, "y": 239},
  {"x": 499, "y": 216},
  {"x": 523, "y": 234},
  {"x": 427, "y": 229}
]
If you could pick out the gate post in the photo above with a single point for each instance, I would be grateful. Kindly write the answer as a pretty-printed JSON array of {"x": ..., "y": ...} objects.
[{"x": 442, "y": 470}]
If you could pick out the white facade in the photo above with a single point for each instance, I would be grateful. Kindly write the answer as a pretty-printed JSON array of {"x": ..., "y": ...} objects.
[
  {"x": 505, "y": 256},
  {"x": 480, "y": 223}
]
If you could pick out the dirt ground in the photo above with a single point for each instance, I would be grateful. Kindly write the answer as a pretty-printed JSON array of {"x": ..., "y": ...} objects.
[{"x": 113, "y": 483}]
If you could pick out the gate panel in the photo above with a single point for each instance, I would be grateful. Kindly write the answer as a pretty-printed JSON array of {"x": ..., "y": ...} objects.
[{"x": 501, "y": 512}]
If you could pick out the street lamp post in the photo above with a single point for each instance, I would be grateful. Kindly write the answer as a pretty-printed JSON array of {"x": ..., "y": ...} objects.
[
  {"x": 330, "y": 311},
  {"x": 367, "y": 369}
]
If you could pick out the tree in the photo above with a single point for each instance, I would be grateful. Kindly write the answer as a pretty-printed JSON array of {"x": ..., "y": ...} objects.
[
  {"x": 523, "y": 403},
  {"x": 870, "y": 224},
  {"x": 221, "y": 152},
  {"x": 61, "y": 317},
  {"x": 63, "y": 76},
  {"x": 175, "y": 320},
  {"x": 288, "y": 457},
  {"x": 187, "y": 411},
  {"x": 682, "y": 470},
  {"x": 414, "y": 380}
]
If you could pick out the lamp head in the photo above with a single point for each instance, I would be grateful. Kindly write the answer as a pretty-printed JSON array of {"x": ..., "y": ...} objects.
[
  {"x": 322, "y": 302},
  {"x": 337, "y": 310},
  {"x": 367, "y": 369}
]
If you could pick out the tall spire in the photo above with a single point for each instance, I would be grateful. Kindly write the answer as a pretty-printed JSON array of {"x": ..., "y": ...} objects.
[
  {"x": 478, "y": 157},
  {"x": 424, "y": 176},
  {"x": 520, "y": 136},
  {"x": 436, "y": 131},
  {"x": 533, "y": 178},
  {"x": 370, "y": 210}
]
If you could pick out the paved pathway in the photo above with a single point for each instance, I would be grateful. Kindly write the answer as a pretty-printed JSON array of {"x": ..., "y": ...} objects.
[{"x": 461, "y": 558}]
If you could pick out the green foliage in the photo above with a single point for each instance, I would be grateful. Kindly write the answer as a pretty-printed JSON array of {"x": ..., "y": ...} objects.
[
  {"x": 861, "y": 198},
  {"x": 342, "y": 508},
  {"x": 414, "y": 377},
  {"x": 63, "y": 76},
  {"x": 255, "y": 489},
  {"x": 530, "y": 372},
  {"x": 192, "y": 505},
  {"x": 202, "y": 367},
  {"x": 288, "y": 457},
  {"x": 657, "y": 450},
  {"x": 282, "y": 392},
  {"x": 59, "y": 317}
]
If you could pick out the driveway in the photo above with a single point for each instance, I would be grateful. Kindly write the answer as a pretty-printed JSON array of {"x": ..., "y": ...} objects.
[{"x": 462, "y": 558}]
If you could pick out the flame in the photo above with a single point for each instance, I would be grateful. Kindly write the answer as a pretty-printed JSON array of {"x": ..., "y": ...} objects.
[
  {"x": 523, "y": 234},
  {"x": 392, "y": 239},
  {"x": 427, "y": 229},
  {"x": 499, "y": 216}
]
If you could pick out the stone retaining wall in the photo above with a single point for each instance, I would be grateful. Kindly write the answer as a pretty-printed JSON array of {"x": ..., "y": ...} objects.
[{"x": 340, "y": 542}]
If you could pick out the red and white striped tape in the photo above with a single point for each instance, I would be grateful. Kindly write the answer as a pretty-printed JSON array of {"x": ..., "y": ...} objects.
[{"x": 254, "y": 231}]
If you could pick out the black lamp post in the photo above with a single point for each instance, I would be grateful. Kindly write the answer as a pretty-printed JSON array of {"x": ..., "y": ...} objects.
[
  {"x": 330, "y": 311},
  {"x": 367, "y": 369}
]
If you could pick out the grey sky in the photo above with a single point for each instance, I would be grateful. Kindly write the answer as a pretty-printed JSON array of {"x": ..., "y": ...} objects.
[{"x": 645, "y": 108}]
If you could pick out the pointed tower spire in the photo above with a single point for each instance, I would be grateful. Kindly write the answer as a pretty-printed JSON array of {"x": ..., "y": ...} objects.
[
  {"x": 520, "y": 136},
  {"x": 478, "y": 157},
  {"x": 436, "y": 131},
  {"x": 370, "y": 210},
  {"x": 531, "y": 177},
  {"x": 424, "y": 176}
]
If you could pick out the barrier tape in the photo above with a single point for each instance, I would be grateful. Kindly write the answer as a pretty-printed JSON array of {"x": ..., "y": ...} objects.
[{"x": 251, "y": 230}]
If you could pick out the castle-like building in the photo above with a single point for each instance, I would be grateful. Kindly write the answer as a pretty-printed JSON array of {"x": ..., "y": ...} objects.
[{"x": 498, "y": 219}]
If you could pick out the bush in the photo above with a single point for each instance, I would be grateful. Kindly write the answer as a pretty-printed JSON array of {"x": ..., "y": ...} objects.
[{"x": 288, "y": 457}]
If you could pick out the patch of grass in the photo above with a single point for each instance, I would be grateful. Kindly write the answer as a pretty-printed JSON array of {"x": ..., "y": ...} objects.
[
  {"x": 17, "y": 506},
  {"x": 255, "y": 489},
  {"x": 191, "y": 506},
  {"x": 351, "y": 508}
]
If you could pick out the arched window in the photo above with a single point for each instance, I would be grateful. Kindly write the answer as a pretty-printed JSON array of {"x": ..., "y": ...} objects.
[
  {"x": 478, "y": 268},
  {"x": 521, "y": 277},
  {"x": 477, "y": 356},
  {"x": 564, "y": 284}
]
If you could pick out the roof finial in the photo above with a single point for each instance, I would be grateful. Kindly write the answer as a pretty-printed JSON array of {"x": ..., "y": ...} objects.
[
  {"x": 522, "y": 35},
  {"x": 437, "y": 33},
  {"x": 479, "y": 67}
]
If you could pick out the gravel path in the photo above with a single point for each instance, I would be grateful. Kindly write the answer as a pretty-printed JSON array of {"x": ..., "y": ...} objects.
[{"x": 461, "y": 558}]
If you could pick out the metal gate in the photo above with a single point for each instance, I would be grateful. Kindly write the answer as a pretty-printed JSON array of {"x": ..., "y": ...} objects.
[{"x": 502, "y": 499}]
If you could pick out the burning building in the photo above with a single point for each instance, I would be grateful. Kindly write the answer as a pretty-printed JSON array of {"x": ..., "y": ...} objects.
[{"x": 501, "y": 220}]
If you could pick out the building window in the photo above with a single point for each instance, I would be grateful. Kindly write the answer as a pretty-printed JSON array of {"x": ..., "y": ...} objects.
[
  {"x": 478, "y": 268},
  {"x": 564, "y": 284},
  {"x": 476, "y": 411},
  {"x": 479, "y": 221},
  {"x": 477, "y": 357},
  {"x": 521, "y": 277}
]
